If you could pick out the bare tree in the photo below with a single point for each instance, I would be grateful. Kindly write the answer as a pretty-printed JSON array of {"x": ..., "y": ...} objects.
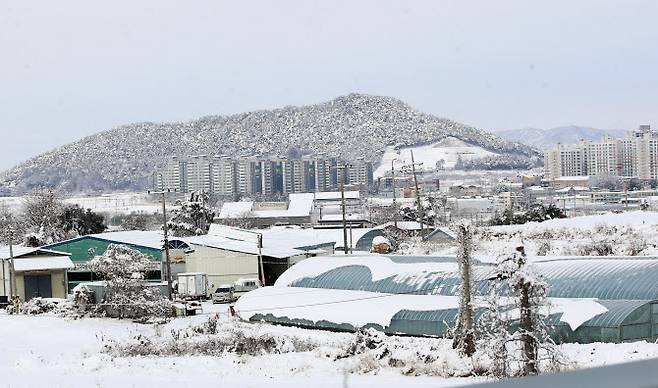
[
  {"x": 43, "y": 210},
  {"x": 516, "y": 281}
]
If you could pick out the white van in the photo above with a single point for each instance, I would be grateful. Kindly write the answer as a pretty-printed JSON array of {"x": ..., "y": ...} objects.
[{"x": 243, "y": 285}]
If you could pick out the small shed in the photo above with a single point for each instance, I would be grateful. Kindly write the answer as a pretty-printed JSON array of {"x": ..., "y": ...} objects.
[
  {"x": 441, "y": 235},
  {"x": 39, "y": 272}
]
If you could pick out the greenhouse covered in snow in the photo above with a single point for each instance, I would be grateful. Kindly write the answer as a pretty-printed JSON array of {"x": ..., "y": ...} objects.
[{"x": 612, "y": 299}]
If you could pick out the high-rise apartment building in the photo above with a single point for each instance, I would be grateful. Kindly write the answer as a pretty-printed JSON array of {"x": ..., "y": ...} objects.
[
  {"x": 228, "y": 177},
  {"x": 636, "y": 155},
  {"x": 199, "y": 174}
]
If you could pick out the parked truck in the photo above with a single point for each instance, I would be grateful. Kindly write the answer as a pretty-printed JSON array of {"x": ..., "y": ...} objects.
[{"x": 192, "y": 285}]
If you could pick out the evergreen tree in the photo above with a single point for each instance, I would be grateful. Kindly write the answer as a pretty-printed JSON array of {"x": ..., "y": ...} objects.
[
  {"x": 193, "y": 218},
  {"x": 127, "y": 294},
  {"x": 76, "y": 220}
]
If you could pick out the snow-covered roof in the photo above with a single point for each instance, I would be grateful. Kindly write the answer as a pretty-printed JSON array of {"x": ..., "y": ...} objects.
[
  {"x": 296, "y": 207},
  {"x": 329, "y": 195},
  {"x": 40, "y": 263},
  {"x": 379, "y": 266},
  {"x": 574, "y": 188},
  {"x": 335, "y": 301},
  {"x": 271, "y": 248},
  {"x": 405, "y": 225},
  {"x": 19, "y": 251},
  {"x": 389, "y": 201},
  {"x": 145, "y": 238},
  {"x": 466, "y": 185},
  {"x": 303, "y": 237},
  {"x": 572, "y": 178},
  {"x": 235, "y": 209},
  {"x": 377, "y": 240},
  {"x": 299, "y": 208},
  {"x": 441, "y": 231},
  {"x": 348, "y": 217}
]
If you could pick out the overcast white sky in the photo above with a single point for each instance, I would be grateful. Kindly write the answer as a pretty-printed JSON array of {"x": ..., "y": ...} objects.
[{"x": 73, "y": 68}]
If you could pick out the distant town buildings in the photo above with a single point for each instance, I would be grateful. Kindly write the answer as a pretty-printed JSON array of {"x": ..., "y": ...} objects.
[
  {"x": 229, "y": 177},
  {"x": 635, "y": 156}
]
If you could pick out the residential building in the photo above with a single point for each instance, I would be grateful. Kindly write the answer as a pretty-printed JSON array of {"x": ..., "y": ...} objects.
[
  {"x": 223, "y": 171},
  {"x": 636, "y": 155},
  {"x": 228, "y": 177}
]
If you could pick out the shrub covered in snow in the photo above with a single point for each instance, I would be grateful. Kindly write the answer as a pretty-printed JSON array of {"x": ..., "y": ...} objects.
[
  {"x": 212, "y": 338},
  {"x": 536, "y": 213},
  {"x": 127, "y": 294},
  {"x": 37, "y": 306}
]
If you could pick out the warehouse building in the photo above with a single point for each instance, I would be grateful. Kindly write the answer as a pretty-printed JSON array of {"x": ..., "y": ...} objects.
[
  {"x": 612, "y": 299},
  {"x": 227, "y": 254},
  {"x": 84, "y": 248},
  {"x": 39, "y": 272}
]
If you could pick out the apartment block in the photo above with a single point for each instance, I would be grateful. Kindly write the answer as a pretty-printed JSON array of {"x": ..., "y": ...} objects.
[
  {"x": 636, "y": 155},
  {"x": 228, "y": 177}
]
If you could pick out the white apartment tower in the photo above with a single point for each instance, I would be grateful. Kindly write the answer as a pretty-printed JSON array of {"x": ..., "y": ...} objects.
[
  {"x": 199, "y": 174},
  {"x": 223, "y": 171},
  {"x": 636, "y": 155}
]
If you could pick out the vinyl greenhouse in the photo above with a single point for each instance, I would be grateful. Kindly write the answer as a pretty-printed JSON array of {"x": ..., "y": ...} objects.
[{"x": 612, "y": 299}]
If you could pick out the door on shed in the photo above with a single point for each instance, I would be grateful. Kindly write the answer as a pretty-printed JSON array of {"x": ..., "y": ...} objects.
[{"x": 37, "y": 286}]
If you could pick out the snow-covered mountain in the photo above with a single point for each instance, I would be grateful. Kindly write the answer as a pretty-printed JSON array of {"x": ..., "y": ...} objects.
[
  {"x": 546, "y": 138},
  {"x": 349, "y": 127}
]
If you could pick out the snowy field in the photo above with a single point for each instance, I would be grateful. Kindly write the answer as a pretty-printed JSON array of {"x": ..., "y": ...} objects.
[
  {"x": 633, "y": 233},
  {"x": 116, "y": 203},
  {"x": 59, "y": 352}
]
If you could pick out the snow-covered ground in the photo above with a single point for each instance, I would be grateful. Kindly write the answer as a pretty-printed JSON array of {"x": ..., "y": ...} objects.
[
  {"x": 450, "y": 150},
  {"x": 633, "y": 233},
  {"x": 116, "y": 203},
  {"x": 59, "y": 352},
  {"x": 637, "y": 219}
]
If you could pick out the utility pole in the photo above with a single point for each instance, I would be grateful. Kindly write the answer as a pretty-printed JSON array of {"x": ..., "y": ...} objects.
[
  {"x": 341, "y": 173},
  {"x": 418, "y": 203},
  {"x": 351, "y": 247},
  {"x": 12, "y": 273},
  {"x": 4, "y": 278},
  {"x": 395, "y": 204},
  {"x": 166, "y": 241},
  {"x": 260, "y": 258}
]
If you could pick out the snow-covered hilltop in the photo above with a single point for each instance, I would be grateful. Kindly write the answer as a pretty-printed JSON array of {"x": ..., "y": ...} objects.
[{"x": 349, "y": 127}]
